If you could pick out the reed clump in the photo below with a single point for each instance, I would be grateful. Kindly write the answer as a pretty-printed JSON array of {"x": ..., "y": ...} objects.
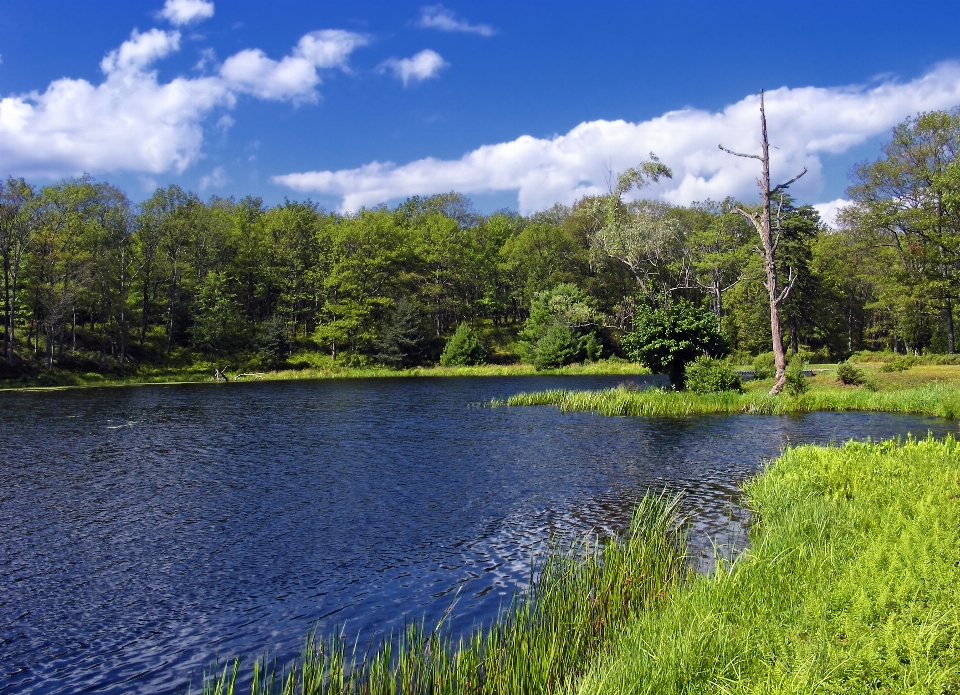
[
  {"x": 582, "y": 595},
  {"x": 851, "y": 584},
  {"x": 942, "y": 400}
]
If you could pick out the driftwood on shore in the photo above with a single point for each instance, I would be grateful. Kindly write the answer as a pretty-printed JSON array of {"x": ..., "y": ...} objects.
[{"x": 257, "y": 376}]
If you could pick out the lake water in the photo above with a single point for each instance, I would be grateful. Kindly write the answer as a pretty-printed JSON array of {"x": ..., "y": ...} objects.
[{"x": 147, "y": 530}]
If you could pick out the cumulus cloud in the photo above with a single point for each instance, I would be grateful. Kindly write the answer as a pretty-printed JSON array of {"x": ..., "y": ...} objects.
[
  {"x": 132, "y": 122},
  {"x": 295, "y": 76},
  {"x": 439, "y": 17},
  {"x": 804, "y": 123},
  {"x": 422, "y": 66},
  {"x": 180, "y": 12},
  {"x": 829, "y": 210}
]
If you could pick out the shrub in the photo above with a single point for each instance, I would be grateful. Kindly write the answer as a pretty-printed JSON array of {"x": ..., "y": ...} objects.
[
  {"x": 708, "y": 375},
  {"x": 796, "y": 379},
  {"x": 900, "y": 364},
  {"x": 463, "y": 349},
  {"x": 850, "y": 375},
  {"x": 764, "y": 365},
  {"x": 667, "y": 339},
  {"x": 555, "y": 348}
]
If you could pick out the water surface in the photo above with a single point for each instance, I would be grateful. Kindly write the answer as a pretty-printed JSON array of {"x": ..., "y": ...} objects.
[{"x": 147, "y": 530}]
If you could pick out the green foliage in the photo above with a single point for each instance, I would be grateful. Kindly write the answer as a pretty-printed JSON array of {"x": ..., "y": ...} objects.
[
  {"x": 561, "y": 328},
  {"x": 851, "y": 579},
  {"x": 850, "y": 375},
  {"x": 764, "y": 365},
  {"x": 463, "y": 348},
  {"x": 274, "y": 342},
  {"x": 217, "y": 330},
  {"x": 709, "y": 375},
  {"x": 797, "y": 383},
  {"x": 403, "y": 340},
  {"x": 667, "y": 339},
  {"x": 900, "y": 364}
]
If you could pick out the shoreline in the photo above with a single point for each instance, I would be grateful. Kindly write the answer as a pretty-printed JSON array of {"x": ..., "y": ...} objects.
[{"x": 625, "y": 369}]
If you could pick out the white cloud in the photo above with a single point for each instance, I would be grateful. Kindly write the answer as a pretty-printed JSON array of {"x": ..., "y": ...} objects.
[
  {"x": 829, "y": 210},
  {"x": 439, "y": 17},
  {"x": 804, "y": 124},
  {"x": 295, "y": 76},
  {"x": 215, "y": 179},
  {"x": 180, "y": 12},
  {"x": 132, "y": 122},
  {"x": 422, "y": 66},
  {"x": 128, "y": 122}
]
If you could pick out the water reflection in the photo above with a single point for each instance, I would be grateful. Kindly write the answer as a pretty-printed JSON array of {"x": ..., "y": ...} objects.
[{"x": 148, "y": 529}]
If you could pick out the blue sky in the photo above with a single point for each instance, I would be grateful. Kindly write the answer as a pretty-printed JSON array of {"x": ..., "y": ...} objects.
[{"x": 517, "y": 104}]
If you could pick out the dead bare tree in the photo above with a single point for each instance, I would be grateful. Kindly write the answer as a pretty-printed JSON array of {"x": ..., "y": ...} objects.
[{"x": 762, "y": 222}]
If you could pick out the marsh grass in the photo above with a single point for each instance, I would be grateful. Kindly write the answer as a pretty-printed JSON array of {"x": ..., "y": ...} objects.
[
  {"x": 582, "y": 595},
  {"x": 851, "y": 584},
  {"x": 942, "y": 400}
]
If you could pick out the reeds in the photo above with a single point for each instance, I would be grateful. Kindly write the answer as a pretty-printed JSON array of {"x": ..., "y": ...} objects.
[
  {"x": 581, "y": 596},
  {"x": 933, "y": 399}
]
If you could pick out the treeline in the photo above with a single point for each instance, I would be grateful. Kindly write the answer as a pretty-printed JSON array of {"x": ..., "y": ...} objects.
[{"x": 93, "y": 282}]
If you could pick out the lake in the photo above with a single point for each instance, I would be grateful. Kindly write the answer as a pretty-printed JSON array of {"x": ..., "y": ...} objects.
[{"x": 148, "y": 530}]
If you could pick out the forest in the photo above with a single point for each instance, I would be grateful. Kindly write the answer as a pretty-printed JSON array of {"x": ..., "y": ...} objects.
[{"x": 94, "y": 283}]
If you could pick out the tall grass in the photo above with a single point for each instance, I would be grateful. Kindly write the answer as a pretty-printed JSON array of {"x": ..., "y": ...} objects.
[
  {"x": 933, "y": 399},
  {"x": 851, "y": 584},
  {"x": 582, "y": 595}
]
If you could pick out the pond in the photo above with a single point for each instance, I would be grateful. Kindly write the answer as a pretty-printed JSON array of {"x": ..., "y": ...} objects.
[{"x": 148, "y": 530}]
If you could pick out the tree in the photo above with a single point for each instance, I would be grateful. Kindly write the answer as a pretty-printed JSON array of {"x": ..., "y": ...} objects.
[
  {"x": 642, "y": 235},
  {"x": 463, "y": 348},
  {"x": 559, "y": 327},
  {"x": 666, "y": 339},
  {"x": 18, "y": 225},
  {"x": 765, "y": 227},
  {"x": 217, "y": 327},
  {"x": 908, "y": 196}
]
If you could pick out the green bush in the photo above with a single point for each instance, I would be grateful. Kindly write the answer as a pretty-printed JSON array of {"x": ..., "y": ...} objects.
[
  {"x": 900, "y": 364},
  {"x": 850, "y": 375},
  {"x": 463, "y": 349},
  {"x": 764, "y": 365},
  {"x": 796, "y": 379},
  {"x": 555, "y": 348},
  {"x": 667, "y": 339},
  {"x": 708, "y": 375}
]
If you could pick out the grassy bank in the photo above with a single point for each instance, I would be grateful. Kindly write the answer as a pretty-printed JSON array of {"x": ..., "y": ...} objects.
[
  {"x": 851, "y": 585},
  {"x": 200, "y": 374},
  {"x": 939, "y": 399},
  {"x": 584, "y": 595}
]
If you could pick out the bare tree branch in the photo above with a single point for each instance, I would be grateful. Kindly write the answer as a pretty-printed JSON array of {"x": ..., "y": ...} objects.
[{"x": 738, "y": 154}]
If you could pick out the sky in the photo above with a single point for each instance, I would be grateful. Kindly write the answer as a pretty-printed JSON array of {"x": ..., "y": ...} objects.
[{"x": 518, "y": 105}]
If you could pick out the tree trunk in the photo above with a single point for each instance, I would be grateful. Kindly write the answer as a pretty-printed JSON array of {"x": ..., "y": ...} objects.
[
  {"x": 762, "y": 223},
  {"x": 950, "y": 344}
]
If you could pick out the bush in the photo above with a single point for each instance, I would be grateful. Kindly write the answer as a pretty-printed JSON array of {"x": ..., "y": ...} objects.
[
  {"x": 463, "y": 349},
  {"x": 900, "y": 364},
  {"x": 796, "y": 379},
  {"x": 849, "y": 375},
  {"x": 561, "y": 328},
  {"x": 764, "y": 365},
  {"x": 667, "y": 339},
  {"x": 555, "y": 348},
  {"x": 708, "y": 375}
]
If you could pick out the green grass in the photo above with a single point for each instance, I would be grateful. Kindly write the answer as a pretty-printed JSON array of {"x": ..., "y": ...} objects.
[
  {"x": 584, "y": 595},
  {"x": 202, "y": 373},
  {"x": 851, "y": 584},
  {"x": 942, "y": 400}
]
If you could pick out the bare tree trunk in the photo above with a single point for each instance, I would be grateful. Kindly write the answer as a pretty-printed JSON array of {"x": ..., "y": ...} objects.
[{"x": 762, "y": 223}]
